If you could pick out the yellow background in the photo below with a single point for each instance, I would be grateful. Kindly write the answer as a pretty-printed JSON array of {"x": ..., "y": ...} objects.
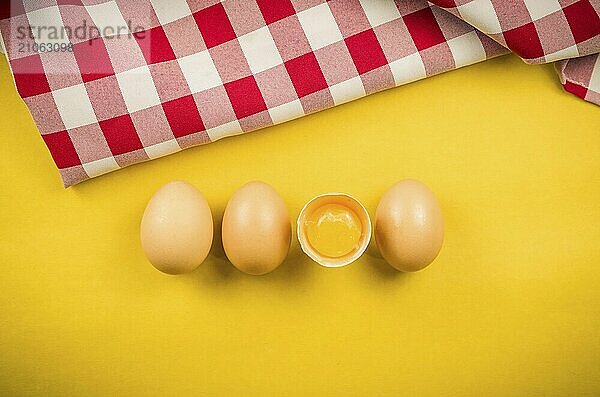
[{"x": 510, "y": 308}]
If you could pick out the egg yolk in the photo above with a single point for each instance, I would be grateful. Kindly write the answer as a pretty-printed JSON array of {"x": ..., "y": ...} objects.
[{"x": 333, "y": 230}]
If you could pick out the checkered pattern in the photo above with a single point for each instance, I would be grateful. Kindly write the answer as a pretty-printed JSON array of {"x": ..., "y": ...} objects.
[
  {"x": 189, "y": 72},
  {"x": 542, "y": 31},
  {"x": 539, "y": 31},
  {"x": 581, "y": 76}
]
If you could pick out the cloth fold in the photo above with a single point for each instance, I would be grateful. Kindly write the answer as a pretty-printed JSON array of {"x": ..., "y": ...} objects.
[{"x": 113, "y": 83}]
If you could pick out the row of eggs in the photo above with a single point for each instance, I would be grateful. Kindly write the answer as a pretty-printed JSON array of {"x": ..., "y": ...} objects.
[{"x": 333, "y": 229}]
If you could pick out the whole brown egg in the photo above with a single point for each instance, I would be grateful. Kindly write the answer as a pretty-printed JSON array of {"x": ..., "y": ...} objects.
[{"x": 409, "y": 228}]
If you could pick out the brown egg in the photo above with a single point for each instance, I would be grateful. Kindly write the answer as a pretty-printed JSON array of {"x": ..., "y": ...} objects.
[
  {"x": 177, "y": 228},
  {"x": 256, "y": 229},
  {"x": 409, "y": 229}
]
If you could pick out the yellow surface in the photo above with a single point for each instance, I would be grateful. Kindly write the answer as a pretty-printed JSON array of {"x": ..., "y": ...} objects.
[{"x": 510, "y": 308}]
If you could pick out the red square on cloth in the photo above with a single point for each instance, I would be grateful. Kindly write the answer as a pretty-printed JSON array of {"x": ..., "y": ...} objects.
[
  {"x": 275, "y": 10},
  {"x": 154, "y": 45},
  {"x": 245, "y": 97},
  {"x": 214, "y": 25},
  {"x": 29, "y": 76},
  {"x": 366, "y": 51},
  {"x": 62, "y": 149},
  {"x": 183, "y": 116},
  {"x": 525, "y": 41},
  {"x": 11, "y": 8},
  {"x": 576, "y": 89},
  {"x": 120, "y": 134},
  {"x": 306, "y": 74},
  {"x": 93, "y": 60},
  {"x": 583, "y": 20},
  {"x": 445, "y": 3},
  {"x": 424, "y": 29}
]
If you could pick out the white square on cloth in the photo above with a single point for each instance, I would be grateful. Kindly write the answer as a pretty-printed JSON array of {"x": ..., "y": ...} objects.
[
  {"x": 43, "y": 22},
  {"x": 168, "y": 11},
  {"x": 380, "y": 11},
  {"x": 74, "y": 106},
  {"x": 100, "y": 167},
  {"x": 163, "y": 149},
  {"x": 408, "y": 69},
  {"x": 287, "y": 111},
  {"x": 224, "y": 130},
  {"x": 320, "y": 27},
  {"x": 347, "y": 90},
  {"x": 482, "y": 15},
  {"x": 540, "y": 8},
  {"x": 200, "y": 71},
  {"x": 595, "y": 79},
  {"x": 569, "y": 52},
  {"x": 108, "y": 19},
  {"x": 467, "y": 49},
  {"x": 138, "y": 89},
  {"x": 260, "y": 50}
]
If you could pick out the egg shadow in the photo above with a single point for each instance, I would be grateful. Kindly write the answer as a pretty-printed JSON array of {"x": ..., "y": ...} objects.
[
  {"x": 218, "y": 270},
  {"x": 380, "y": 270},
  {"x": 296, "y": 267}
]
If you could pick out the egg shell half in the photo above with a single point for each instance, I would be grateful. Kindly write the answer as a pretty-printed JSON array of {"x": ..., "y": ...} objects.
[{"x": 343, "y": 200}]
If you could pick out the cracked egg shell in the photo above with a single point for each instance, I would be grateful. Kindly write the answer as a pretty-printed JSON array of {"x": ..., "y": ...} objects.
[{"x": 334, "y": 229}]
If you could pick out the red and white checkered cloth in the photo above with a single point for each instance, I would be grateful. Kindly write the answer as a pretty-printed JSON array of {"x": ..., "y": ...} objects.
[{"x": 164, "y": 75}]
